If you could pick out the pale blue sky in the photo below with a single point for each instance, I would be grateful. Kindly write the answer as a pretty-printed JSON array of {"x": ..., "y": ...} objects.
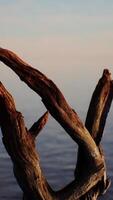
[
  {"x": 69, "y": 40},
  {"x": 35, "y": 18},
  {"x": 76, "y": 30}
]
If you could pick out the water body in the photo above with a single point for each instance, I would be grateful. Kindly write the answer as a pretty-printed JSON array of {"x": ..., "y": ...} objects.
[{"x": 58, "y": 157}]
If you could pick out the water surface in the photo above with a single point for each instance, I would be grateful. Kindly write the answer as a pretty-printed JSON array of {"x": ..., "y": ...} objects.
[{"x": 58, "y": 156}]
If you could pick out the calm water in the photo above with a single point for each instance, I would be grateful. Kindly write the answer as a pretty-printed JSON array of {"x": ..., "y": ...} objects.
[{"x": 58, "y": 156}]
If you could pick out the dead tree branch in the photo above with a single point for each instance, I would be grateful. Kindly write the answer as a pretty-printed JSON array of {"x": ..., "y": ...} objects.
[{"x": 19, "y": 141}]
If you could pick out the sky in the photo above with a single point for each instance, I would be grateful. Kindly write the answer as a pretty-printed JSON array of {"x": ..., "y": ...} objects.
[{"x": 71, "y": 41}]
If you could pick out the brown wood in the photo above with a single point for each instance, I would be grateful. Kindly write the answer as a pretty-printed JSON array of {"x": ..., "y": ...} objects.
[
  {"x": 38, "y": 125},
  {"x": 20, "y": 143},
  {"x": 95, "y": 122}
]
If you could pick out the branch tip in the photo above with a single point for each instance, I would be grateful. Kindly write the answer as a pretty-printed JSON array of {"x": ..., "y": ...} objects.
[{"x": 107, "y": 74}]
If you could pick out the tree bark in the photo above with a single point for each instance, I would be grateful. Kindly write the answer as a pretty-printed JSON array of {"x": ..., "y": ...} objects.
[{"x": 20, "y": 143}]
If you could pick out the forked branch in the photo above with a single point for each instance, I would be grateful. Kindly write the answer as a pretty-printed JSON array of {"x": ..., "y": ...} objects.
[
  {"x": 19, "y": 142},
  {"x": 55, "y": 103}
]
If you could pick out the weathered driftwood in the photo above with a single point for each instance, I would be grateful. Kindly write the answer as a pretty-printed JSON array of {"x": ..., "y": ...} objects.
[
  {"x": 90, "y": 180},
  {"x": 95, "y": 122}
]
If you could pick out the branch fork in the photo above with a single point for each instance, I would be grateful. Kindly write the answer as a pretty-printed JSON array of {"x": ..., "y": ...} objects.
[{"x": 90, "y": 172}]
